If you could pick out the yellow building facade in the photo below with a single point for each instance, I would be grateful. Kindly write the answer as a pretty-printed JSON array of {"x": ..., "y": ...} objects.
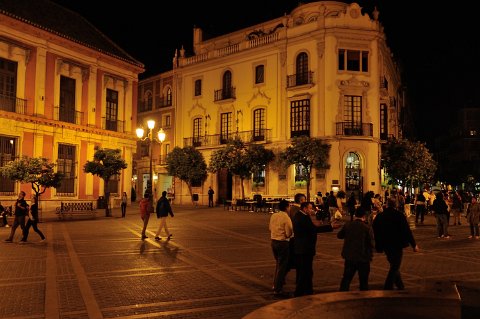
[
  {"x": 322, "y": 71},
  {"x": 66, "y": 90}
]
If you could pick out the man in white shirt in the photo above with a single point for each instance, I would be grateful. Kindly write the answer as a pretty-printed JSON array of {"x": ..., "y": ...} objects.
[{"x": 281, "y": 230}]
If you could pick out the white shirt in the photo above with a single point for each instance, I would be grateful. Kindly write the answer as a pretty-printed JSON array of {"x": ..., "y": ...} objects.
[{"x": 281, "y": 227}]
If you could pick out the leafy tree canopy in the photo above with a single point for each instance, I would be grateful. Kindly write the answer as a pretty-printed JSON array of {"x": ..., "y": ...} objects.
[
  {"x": 188, "y": 165},
  {"x": 240, "y": 160},
  {"x": 106, "y": 163},
  {"x": 39, "y": 172},
  {"x": 407, "y": 162},
  {"x": 309, "y": 152}
]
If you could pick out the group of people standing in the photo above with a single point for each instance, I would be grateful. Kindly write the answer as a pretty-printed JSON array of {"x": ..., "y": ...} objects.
[
  {"x": 293, "y": 233},
  {"x": 25, "y": 216},
  {"x": 293, "y": 240}
]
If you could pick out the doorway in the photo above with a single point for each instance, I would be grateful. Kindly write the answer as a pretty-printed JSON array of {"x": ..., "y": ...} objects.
[{"x": 353, "y": 175}]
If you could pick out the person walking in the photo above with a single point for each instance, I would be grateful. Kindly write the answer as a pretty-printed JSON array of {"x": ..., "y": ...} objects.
[
  {"x": 281, "y": 231},
  {"x": 210, "y": 196},
  {"x": 145, "y": 210},
  {"x": 32, "y": 222},
  {"x": 21, "y": 210},
  {"x": 473, "y": 217},
  {"x": 305, "y": 242},
  {"x": 123, "y": 205},
  {"x": 392, "y": 234},
  {"x": 163, "y": 210},
  {"x": 420, "y": 207},
  {"x": 357, "y": 250},
  {"x": 440, "y": 209}
]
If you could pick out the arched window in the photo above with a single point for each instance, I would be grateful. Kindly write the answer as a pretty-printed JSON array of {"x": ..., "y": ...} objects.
[{"x": 301, "y": 68}]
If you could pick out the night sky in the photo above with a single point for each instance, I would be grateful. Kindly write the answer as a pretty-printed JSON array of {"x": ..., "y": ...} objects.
[{"x": 437, "y": 46}]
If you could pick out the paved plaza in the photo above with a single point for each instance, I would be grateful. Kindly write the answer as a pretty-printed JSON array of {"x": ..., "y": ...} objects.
[{"x": 218, "y": 264}]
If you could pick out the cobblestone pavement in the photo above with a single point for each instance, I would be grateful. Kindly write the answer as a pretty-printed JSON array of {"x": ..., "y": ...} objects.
[{"x": 218, "y": 265}]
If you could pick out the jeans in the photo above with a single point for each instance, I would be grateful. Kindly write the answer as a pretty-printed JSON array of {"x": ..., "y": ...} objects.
[
  {"x": 474, "y": 229},
  {"x": 350, "y": 268},
  {"x": 442, "y": 224}
]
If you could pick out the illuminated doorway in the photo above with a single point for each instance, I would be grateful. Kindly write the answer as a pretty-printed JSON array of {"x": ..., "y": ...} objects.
[{"x": 353, "y": 175}]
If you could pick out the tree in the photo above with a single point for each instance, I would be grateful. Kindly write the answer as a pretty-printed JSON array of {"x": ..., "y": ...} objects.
[
  {"x": 39, "y": 172},
  {"x": 106, "y": 163},
  {"x": 240, "y": 160},
  {"x": 308, "y": 152},
  {"x": 188, "y": 165},
  {"x": 407, "y": 163}
]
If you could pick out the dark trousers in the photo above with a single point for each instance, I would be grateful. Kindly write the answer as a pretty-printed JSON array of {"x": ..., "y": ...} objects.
[
  {"x": 304, "y": 278},
  {"x": 350, "y": 268},
  {"x": 210, "y": 201},
  {"x": 280, "y": 251},
  {"x": 18, "y": 221},
  {"x": 33, "y": 224},
  {"x": 124, "y": 209},
  {"x": 420, "y": 213},
  {"x": 394, "y": 257}
]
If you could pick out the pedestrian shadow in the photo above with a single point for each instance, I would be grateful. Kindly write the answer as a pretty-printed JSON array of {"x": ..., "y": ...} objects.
[{"x": 170, "y": 250}]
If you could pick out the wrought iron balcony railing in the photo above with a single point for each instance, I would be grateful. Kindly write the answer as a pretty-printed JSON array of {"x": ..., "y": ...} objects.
[
  {"x": 224, "y": 94},
  {"x": 164, "y": 101},
  {"x": 300, "y": 79},
  {"x": 354, "y": 129},
  {"x": 68, "y": 115},
  {"x": 13, "y": 104},
  {"x": 262, "y": 135},
  {"x": 112, "y": 125}
]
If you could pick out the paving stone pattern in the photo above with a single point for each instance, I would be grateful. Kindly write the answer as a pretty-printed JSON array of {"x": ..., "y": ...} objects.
[{"x": 218, "y": 265}]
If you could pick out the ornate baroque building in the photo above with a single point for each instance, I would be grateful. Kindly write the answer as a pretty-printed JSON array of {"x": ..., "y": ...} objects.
[
  {"x": 324, "y": 71},
  {"x": 65, "y": 88}
]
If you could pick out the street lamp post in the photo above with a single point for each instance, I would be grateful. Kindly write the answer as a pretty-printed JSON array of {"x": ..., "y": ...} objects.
[{"x": 160, "y": 139}]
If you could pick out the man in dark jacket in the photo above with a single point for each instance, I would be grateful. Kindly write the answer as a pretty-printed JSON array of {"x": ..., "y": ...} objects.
[
  {"x": 392, "y": 233},
  {"x": 163, "y": 210},
  {"x": 357, "y": 250},
  {"x": 305, "y": 233}
]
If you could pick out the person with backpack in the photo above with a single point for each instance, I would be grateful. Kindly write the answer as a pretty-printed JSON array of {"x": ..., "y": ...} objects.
[{"x": 163, "y": 210}]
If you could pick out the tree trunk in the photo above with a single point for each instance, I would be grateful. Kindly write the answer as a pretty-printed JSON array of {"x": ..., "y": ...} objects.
[
  {"x": 241, "y": 186},
  {"x": 107, "y": 200},
  {"x": 309, "y": 171}
]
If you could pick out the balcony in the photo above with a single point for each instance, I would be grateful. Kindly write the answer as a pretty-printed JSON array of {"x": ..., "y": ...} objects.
[
  {"x": 144, "y": 106},
  {"x": 354, "y": 129},
  {"x": 112, "y": 125},
  {"x": 12, "y": 104},
  {"x": 304, "y": 78},
  {"x": 263, "y": 135},
  {"x": 68, "y": 115},
  {"x": 224, "y": 94},
  {"x": 164, "y": 101}
]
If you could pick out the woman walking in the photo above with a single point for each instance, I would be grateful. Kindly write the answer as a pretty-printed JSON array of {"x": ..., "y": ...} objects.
[{"x": 145, "y": 210}]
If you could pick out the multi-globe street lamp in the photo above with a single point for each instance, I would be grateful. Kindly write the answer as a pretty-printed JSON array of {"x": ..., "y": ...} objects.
[{"x": 150, "y": 138}]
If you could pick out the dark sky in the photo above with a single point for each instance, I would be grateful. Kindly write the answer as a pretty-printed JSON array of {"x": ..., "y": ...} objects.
[{"x": 437, "y": 46}]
